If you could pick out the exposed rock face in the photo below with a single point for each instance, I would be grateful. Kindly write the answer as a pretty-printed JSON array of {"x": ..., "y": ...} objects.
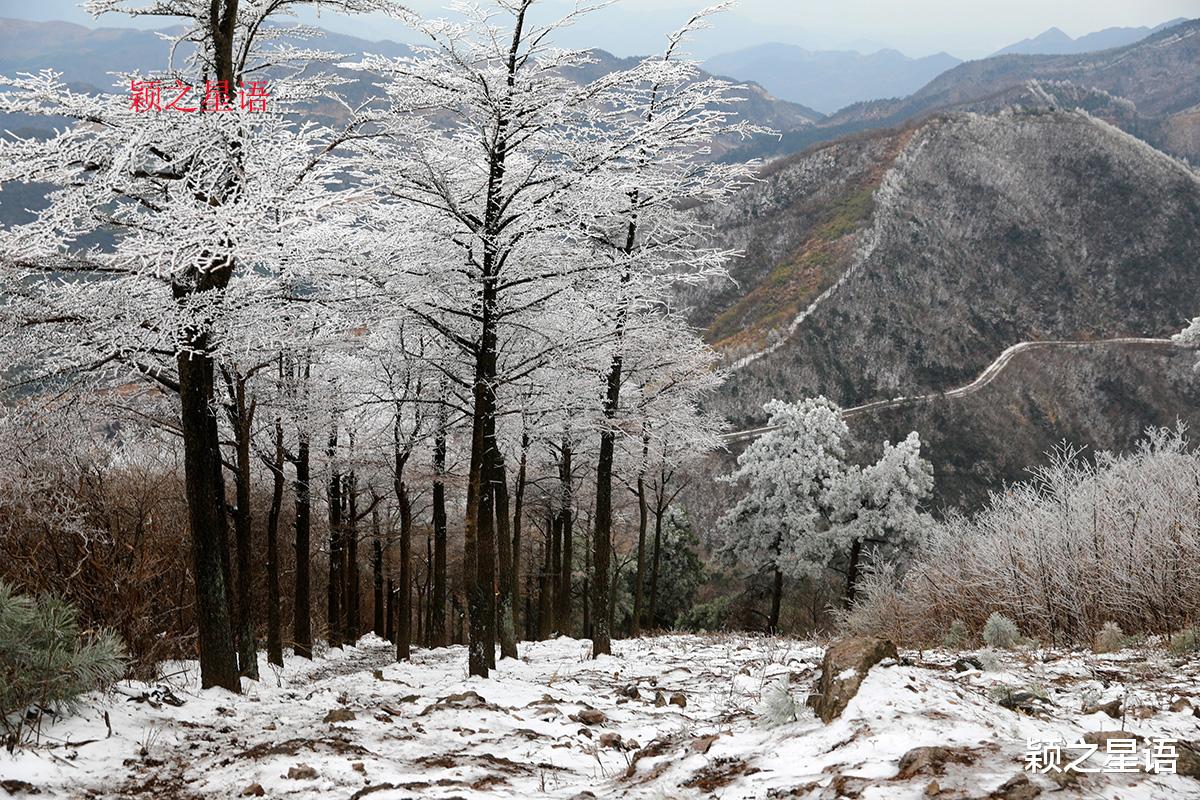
[{"x": 843, "y": 669}]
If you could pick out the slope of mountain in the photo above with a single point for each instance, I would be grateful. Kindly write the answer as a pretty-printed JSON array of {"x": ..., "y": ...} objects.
[
  {"x": 903, "y": 262},
  {"x": 1159, "y": 75},
  {"x": 940, "y": 245},
  {"x": 1103, "y": 398},
  {"x": 830, "y": 80},
  {"x": 1055, "y": 42}
]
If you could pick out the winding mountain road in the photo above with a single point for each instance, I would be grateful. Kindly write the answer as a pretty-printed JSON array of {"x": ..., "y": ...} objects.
[{"x": 986, "y": 377}]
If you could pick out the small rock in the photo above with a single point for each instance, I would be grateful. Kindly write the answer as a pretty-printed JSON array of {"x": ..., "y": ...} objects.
[
  {"x": 1181, "y": 706},
  {"x": 1023, "y": 701},
  {"x": 1188, "y": 764},
  {"x": 225, "y": 712},
  {"x": 1112, "y": 708},
  {"x": 302, "y": 772},
  {"x": 932, "y": 760},
  {"x": 270, "y": 726},
  {"x": 584, "y": 732},
  {"x": 611, "y": 740},
  {"x": 377, "y": 674},
  {"x": 584, "y": 795},
  {"x": 1017, "y": 787},
  {"x": 703, "y": 743},
  {"x": 1142, "y": 712},
  {"x": 846, "y": 663},
  {"x": 589, "y": 716},
  {"x": 660, "y": 699},
  {"x": 967, "y": 663},
  {"x": 13, "y": 786},
  {"x": 678, "y": 699},
  {"x": 932, "y": 789},
  {"x": 632, "y": 744},
  {"x": 631, "y": 691},
  {"x": 340, "y": 715},
  {"x": 253, "y": 790}
]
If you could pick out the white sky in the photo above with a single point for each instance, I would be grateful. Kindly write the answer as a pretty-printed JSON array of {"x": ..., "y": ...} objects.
[{"x": 965, "y": 28}]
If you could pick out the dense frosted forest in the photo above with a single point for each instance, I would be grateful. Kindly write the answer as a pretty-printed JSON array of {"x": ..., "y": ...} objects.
[{"x": 478, "y": 418}]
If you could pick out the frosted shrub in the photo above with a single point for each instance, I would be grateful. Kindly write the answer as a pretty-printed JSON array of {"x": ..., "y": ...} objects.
[
  {"x": 1057, "y": 547},
  {"x": 46, "y": 663},
  {"x": 879, "y": 609},
  {"x": 1000, "y": 631},
  {"x": 990, "y": 661},
  {"x": 1110, "y": 638},
  {"x": 1184, "y": 642},
  {"x": 957, "y": 637},
  {"x": 778, "y": 706}
]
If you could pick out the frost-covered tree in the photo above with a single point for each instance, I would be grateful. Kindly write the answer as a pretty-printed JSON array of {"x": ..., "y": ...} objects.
[
  {"x": 158, "y": 219},
  {"x": 808, "y": 509},
  {"x": 638, "y": 218},
  {"x": 519, "y": 176},
  {"x": 875, "y": 510}
]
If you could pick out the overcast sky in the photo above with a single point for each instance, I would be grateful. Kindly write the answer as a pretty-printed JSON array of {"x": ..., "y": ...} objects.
[{"x": 965, "y": 28}]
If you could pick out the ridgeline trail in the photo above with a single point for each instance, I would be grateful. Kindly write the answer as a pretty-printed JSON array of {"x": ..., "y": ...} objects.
[{"x": 985, "y": 378}]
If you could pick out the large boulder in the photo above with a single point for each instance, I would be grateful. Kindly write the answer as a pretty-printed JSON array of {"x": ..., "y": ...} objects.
[{"x": 846, "y": 663}]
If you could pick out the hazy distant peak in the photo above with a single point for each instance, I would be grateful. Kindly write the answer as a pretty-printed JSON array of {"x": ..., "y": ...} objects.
[
  {"x": 829, "y": 80},
  {"x": 1055, "y": 41}
]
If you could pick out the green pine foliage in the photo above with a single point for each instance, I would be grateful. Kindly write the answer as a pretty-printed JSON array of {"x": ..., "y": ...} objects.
[{"x": 46, "y": 661}]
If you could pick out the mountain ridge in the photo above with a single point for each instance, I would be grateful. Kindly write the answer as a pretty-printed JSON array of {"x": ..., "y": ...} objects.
[
  {"x": 829, "y": 80},
  {"x": 1159, "y": 76}
]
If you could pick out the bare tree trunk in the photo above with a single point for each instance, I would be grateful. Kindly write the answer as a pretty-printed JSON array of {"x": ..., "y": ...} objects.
[
  {"x": 336, "y": 556},
  {"x": 404, "y": 601},
  {"x": 776, "y": 603},
  {"x": 391, "y": 611},
  {"x": 639, "y": 580},
  {"x": 477, "y": 544},
  {"x": 404, "y": 587},
  {"x": 518, "y": 505},
  {"x": 438, "y": 602},
  {"x": 205, "y": 490},
  {"x": 852, "y": 571},
  {"x": 353, "y": 576},
  {"x": 547, "y": 582},
  {"x": 602, "y": 533},
  {"x": 241, "y": 417},
  {"x": 654, "y": 563},
  {"x": 302, "y": 641},
  {"x": 504, "y": 610},
  {"x": 428, "y": 630},
  {"x": 611, "y": 611},
  {"x": 562, "y": 615},
  {"x": 377, "y": 574},
  {"x": 274, "y": 634},
  {"x": 586, "y": 594}
]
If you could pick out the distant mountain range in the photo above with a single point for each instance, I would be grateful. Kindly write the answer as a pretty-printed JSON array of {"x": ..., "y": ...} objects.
[
  {"x": 832, "y": 79},
  {"x": 1150, "y": 88},
  {"x": 1055, "y": 42}
]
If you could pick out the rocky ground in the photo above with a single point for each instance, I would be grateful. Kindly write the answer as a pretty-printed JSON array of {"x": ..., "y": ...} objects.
[{"x": 665, "y": 717}]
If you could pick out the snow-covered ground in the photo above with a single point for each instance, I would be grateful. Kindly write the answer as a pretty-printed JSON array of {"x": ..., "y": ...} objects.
[{"x": 666, "y": 717}]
